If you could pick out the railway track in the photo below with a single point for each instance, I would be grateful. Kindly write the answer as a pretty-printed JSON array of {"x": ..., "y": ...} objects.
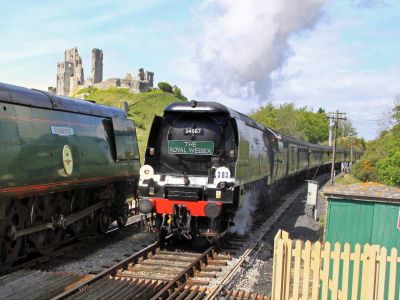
[
  {"x": 73, "y": 245},
  {"x": 158, "y": 273}
]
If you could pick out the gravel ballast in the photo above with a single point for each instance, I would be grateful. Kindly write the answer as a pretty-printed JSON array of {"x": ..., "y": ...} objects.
[{"x": 102, "y": 251}]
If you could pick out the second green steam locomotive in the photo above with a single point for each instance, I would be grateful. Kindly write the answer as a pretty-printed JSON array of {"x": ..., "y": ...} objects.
[{"x": 67, "y": 166}]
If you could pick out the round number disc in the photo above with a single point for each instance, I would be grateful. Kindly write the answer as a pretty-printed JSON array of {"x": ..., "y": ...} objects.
[{"x": 68, "y": 160}]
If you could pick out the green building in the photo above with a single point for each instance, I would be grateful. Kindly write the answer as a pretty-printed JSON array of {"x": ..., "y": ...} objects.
[{"x": 364, "y": 213}]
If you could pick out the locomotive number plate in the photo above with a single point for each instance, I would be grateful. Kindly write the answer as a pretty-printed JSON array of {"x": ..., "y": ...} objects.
[
  {"x": 195, "y": 131},
  {"x": 191, "y": 147}
]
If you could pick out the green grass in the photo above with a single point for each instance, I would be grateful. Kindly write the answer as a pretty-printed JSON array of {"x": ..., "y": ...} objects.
[
  {"x": 346, "y": 180},
  {"x": 142, "y": 107}
]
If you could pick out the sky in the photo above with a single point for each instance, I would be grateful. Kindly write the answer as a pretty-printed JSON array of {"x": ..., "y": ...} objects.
[{"x": 340, "y": 55}]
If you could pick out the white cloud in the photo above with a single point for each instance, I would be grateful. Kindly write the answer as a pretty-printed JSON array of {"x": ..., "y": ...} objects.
[{"x": 325, "y": 73}]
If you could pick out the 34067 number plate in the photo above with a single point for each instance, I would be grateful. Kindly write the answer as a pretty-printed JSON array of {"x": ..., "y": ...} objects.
[
  {"x": 191, "y": 147},
  {"x": 195, "y": 131}
]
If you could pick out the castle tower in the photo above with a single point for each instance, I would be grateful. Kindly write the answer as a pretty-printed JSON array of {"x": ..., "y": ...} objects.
[
  {"x": 140, "y": 75},
  {"x": 69, "y": 73},
  {"x": 150, "y": 78},
  {"x": 97, "y": 66}
]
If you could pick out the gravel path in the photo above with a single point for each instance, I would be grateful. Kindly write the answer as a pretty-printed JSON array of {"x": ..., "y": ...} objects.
[{"x": 300, "y": 225}]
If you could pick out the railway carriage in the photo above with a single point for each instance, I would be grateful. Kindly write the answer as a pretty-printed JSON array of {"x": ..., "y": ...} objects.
[
  {"x": 203, "y": 158},
  {"x": 67, "y": 166}
]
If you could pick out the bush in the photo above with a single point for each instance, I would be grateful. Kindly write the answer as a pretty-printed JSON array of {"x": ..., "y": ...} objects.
[
  {"x": 365, "y": 170},
  {"x": 178, "y": 93},
  {"x": 165, "y": 86},
  {"x": 389, "y": 168}
]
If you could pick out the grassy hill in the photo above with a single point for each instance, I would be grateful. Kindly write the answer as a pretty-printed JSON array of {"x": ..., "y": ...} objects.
[{"x": 142, "y": 107}]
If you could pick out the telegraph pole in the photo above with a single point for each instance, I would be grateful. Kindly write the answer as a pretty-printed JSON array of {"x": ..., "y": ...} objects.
[{"x": 336, "y": 117}]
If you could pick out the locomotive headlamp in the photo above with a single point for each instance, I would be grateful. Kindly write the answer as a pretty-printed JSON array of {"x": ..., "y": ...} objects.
[
  {"x": 146, "y": 172},
  {"x": 152, "y": 151},
  {"x": 222, "y": 185},
  {"x": 146, "y": 206},
  {"x": 212, "y": 210},
  {"x": 232, "y": 153}
]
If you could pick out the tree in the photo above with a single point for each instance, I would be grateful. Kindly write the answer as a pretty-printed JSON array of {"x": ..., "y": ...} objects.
[
  {"x": 381, "y": 160},
  {"x": 165, "y": 86},
  {"x": 345, "y": 128},
  {"x": 301, "y": 123}
]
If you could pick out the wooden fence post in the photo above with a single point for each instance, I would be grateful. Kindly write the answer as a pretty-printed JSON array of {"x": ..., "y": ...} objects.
[
  {"x": 392, "y": 277},
  {"x": 335, "y": 274},
  {"x": 274, "y": 258},
  {"x": 326, "y": 255},
  {"x": 368, "y": 274},
  {"x": 288, "y": 268},
  {"x": 356, "y": 272},
  {"x": 346, "y": 271},
  {"x": 279, "y": 271},
  {"x": 306, "y": 271},
  {"x": 316, "y": 268},
  {"x": 382, "y": 274},
  {"x": 297, "y": 261}
]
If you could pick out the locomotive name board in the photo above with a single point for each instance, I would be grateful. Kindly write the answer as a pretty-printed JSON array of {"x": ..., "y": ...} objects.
[{"x": 191, "y": 147}]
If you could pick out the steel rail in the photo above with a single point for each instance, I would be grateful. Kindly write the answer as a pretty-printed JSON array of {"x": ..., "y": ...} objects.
[
  {"x": 111, "y": 270},
  {"x": 182, "y": 277}
]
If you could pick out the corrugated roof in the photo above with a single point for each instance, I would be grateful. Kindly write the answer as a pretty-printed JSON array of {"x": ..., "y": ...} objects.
[{"x": 363, "y": 191}]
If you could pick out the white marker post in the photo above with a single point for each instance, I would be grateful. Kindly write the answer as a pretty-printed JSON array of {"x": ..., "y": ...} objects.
[{"x": 312, "y": 196}]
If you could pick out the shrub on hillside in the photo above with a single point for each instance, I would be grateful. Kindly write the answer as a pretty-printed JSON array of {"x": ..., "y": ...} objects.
[
  {"x": 389, "y": 168},
  {"x": 165, "y": 86},
  {"x": 178, "y": 93}
]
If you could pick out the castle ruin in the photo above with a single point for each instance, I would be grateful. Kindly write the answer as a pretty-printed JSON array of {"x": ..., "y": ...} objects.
[
  {"x": 69, "y": 73},
  {"x": 97, "y": 66},
  {"x": 70, "y": 76}
]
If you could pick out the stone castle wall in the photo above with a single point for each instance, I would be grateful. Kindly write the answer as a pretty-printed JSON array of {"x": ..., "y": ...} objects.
[{"x": 70, "y": 75}]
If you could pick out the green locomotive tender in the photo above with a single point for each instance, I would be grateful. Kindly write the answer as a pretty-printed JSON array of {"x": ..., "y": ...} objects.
[{"x": 67, "y": 166}]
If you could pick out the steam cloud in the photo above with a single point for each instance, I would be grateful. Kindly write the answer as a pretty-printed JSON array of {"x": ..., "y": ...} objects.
[
  {"x": 242, "y": 42},
  {"x": 244, "y": 215}
]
